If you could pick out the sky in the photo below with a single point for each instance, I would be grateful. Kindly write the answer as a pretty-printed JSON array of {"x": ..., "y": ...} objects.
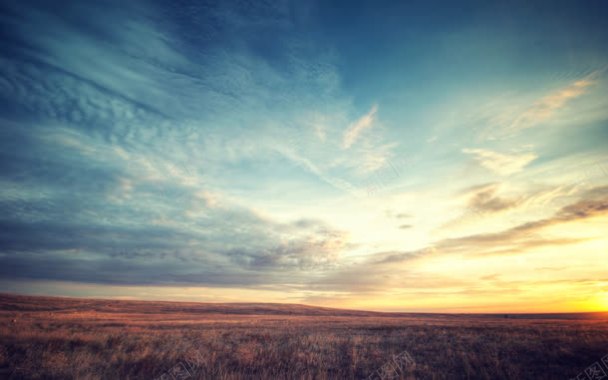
[{"x": 395, "y": 156}]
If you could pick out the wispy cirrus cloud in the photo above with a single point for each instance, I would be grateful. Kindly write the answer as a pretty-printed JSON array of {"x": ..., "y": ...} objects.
[
  {"x": 508, "y": 116},
  {"x": 355, "y": 129},
  {"x": 546, "y": 107},
  {"x": 501, "y": 163}
]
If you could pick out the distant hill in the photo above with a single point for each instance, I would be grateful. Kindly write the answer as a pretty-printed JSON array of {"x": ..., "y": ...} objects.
[{"x": 26, "y": 303}]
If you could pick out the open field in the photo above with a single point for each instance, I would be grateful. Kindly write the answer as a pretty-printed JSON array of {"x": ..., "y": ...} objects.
[{"x": 61, "y": 338}]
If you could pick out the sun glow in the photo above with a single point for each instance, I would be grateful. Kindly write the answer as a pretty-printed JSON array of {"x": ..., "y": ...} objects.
[{"x": 603, "y": 302}]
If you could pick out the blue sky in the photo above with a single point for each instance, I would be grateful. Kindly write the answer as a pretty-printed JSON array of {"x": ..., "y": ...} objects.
[{"x": 378, "y": 155}]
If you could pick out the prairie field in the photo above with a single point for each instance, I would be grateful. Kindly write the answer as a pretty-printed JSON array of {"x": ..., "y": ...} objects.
[{"x": 62, "y": 338}]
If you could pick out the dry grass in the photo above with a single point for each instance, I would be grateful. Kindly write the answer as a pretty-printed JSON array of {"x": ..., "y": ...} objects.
[{"x": 54, "y": 338}]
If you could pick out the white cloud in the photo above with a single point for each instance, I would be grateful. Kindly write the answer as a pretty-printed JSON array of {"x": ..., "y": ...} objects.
[
  {"x": 309, "y": 166},
  {"x": 502, "y": 164},
  {"x": 545, "y": 107},
  {"x": 355, "y": 129},
  {"x": 514, "y": 117}
]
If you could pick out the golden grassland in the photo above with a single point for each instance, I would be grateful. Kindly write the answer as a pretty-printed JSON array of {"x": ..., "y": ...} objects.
[{"x": 62, "y": 338}]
